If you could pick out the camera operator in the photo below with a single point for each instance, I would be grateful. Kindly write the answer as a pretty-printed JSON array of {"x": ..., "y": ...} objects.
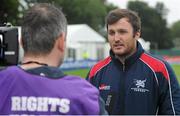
[{"x": 38, "y": 86}]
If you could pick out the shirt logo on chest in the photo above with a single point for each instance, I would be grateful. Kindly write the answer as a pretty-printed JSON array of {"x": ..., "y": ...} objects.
[
  {"x": 140, "y": 86},
  {"x": 104, "y": 87}
]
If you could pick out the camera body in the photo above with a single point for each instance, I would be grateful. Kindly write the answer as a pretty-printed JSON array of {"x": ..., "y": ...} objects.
[{"x": 9, "y": 46}]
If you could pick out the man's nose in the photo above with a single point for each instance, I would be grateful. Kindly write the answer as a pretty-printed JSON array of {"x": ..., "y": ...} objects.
[{"x": 117, "y": 36}]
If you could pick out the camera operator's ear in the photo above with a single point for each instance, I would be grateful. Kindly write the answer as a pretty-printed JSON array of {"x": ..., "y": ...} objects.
[{"x": 62, "y": 42}]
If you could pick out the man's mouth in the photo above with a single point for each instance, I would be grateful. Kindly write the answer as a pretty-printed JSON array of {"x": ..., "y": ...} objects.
[{"x": 118, "y": 46}]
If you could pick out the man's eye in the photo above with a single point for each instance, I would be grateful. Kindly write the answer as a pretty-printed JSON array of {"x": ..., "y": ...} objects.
[
  {"x": 111, "y": 32},
  {"x": 122, "y": 31}
]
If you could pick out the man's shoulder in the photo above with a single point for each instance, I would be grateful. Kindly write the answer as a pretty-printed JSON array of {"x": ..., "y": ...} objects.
[
  {"x": 99, "y": 65},
  {"x": 77, "y": 80},
  {"x": 157, "y": 64},
  {"x": 152, "y": 59},
  {"x": 80, "y": 84}
]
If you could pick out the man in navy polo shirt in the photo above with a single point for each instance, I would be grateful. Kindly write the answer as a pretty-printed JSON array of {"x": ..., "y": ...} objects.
[{"x": 130, "y": 80}]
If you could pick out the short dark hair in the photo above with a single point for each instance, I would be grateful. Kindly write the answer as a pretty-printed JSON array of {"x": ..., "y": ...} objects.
[
  {"x": 41, "y": 26},
  {"x": 116, "y": 14}
]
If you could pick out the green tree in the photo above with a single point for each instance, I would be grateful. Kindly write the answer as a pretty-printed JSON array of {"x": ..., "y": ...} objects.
[
  {"x": 91, "y": 12},
  {"x": 175, "y": 31},
  {"x": 9, "y": 11},
  {"x": 154, "y": 25}
]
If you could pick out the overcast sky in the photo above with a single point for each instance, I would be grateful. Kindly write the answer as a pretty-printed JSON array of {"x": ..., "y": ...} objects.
[{"x": 172, "y": 5}]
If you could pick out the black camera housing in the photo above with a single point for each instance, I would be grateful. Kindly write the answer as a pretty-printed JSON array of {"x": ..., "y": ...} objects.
[{"x": 9, "y": 46}]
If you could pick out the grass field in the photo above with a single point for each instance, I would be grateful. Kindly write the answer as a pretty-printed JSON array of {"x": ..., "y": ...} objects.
[
  {"x": 176, "y": 69},
  {"x": 83, "y": 72}
]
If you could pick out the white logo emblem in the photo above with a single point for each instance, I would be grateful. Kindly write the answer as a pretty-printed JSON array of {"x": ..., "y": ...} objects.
[{"x": 140, "y": 85}]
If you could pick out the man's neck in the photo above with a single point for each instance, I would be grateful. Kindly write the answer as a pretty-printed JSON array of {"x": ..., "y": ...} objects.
[
  {"x": 122, "y": 58},
  {"x": 33, "y": 62}
]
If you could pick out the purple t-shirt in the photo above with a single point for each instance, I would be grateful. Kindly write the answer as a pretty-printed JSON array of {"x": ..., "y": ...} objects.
[{"x": 25, "y": 93}]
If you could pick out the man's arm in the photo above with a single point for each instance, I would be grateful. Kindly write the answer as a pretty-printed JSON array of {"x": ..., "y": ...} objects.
[{"x": 171, "y": 98}]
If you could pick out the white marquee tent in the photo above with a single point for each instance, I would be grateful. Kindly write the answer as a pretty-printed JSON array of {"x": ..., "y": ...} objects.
[{"x": 83, "y": 39}]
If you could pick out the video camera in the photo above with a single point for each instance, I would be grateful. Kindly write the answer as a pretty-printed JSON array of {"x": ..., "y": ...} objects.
[{"x": 9, "y": 46}]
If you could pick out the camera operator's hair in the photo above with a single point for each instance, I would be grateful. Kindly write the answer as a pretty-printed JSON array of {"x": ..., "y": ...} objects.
[
  {"x": 118, "y": 14},
  {"x": 41, "y": 26}
]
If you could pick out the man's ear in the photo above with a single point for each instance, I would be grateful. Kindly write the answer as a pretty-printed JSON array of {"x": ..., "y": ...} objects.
[
  {"x": 62, "y": 42},
  {"x": 137, "y": 35}
]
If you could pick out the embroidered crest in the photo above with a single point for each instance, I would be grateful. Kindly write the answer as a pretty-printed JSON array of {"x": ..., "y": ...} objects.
[{"x": 140, "y": 86}]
